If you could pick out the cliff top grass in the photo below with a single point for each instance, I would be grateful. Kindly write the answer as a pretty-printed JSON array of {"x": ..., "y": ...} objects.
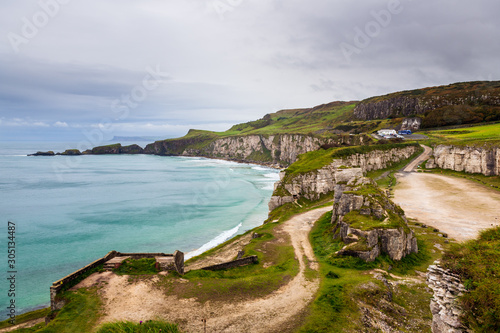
[
  {"x": 370, "y": 222},
  {"x": 320, "y": 158},
  {"x": 477, "y": 264},
  {"x": 319, "y": 120},
  {"x": 475, "y": 136},
  {"x": 392, "y": 220}
]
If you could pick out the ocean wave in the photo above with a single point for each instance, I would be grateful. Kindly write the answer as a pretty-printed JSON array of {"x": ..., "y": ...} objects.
[
  {"x": 269, "y": 187},
  {"x": 272, "y": 175},
  {"x": 260, "y": 168},
  {"x": 225, "y": 235}
]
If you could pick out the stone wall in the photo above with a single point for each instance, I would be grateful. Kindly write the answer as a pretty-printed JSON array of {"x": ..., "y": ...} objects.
[
  {"x": 232, "y": 264},
  {"x": 445, "y": 308},
  {"x": 73, "y": 278},
  {"x": 481, "y": 160},
  {"x": 70, "y": 280}
]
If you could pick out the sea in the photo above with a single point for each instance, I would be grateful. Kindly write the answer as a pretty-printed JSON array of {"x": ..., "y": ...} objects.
[{"x": 63, "y": 212}]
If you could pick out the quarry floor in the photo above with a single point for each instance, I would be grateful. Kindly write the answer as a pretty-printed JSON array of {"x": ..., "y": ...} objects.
[
  {"x": 141, "y": 300},
  {"x": 459, "y": 207}
]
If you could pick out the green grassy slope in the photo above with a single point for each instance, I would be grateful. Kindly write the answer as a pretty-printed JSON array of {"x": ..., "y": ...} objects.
[{"x": 470, "y": 135}]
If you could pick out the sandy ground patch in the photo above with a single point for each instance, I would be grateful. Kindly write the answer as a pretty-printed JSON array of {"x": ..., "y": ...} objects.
[
  {"x": 458, "y": 207},
  {"x": 141, "y": 301}
]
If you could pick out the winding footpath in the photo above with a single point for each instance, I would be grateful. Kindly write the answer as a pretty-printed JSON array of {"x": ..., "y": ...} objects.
[{"x": 273, "y": 313}]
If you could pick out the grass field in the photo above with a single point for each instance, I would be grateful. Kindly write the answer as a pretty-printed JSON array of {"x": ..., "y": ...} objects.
[{"x": 472, "y": 135}]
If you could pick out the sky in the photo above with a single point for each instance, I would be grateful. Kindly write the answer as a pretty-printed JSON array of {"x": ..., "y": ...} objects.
[{"x": 95, "y": 69}]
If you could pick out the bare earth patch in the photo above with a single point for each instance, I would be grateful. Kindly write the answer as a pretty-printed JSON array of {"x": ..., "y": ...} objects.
[
  {"x": 136, "y": 301},
  {"x": 458, "y": 207}
]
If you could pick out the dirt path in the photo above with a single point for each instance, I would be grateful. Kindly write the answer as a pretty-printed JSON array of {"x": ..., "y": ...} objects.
[
  {"x": 27, "y": 324},
  {"x": 422, "y": 157},
  {"x": 141, "y": 301},
  {"x": 458, "y": 207}
]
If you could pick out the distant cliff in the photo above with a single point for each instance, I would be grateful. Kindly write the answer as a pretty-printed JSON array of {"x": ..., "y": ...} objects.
[
  {"x": 279, "y": 150},
  {"x": 469, "y": 102},
  {"x": 470, "y": 159}
]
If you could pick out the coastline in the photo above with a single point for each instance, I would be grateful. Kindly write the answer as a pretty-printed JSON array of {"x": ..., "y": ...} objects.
[{"x": 208, "y": 243}]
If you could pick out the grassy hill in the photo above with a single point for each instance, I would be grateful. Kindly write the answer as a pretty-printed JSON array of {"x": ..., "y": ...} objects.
[{"x": 454, "y": 104}]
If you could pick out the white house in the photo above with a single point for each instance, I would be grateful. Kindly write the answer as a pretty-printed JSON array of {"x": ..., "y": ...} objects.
[{"x": 384, "y": 132}]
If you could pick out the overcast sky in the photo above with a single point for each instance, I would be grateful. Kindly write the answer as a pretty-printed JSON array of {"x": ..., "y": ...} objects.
[{"x": 74, "y": 69}]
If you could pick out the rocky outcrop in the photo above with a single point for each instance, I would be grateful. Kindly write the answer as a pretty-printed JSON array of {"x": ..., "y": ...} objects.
[
  {"x": 369, "y": 223},
  {"x": 115, "y": 149},
  {"x": 280, "y": 149},
  {"x": 469, "y": 95},
  {"x": 412, "y": 124},
  {"x": 313, "y": 185},
  {"x": 43, "y": 153},
  {"x": 402, "y": 106},
  {"x": 481, "y": 160},
  {"x": 70, "y": 152},
  {"x": 445, "y": 308}
]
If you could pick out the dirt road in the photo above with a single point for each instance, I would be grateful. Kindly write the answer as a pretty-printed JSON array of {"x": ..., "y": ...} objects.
[
  {"x": 458, "y": 207},
  {"x": 141, "y": 301},
  {"x": 422, "y": 157}
]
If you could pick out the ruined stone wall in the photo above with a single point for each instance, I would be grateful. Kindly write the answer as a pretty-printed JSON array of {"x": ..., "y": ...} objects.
[{"x": 232, "y": 264}]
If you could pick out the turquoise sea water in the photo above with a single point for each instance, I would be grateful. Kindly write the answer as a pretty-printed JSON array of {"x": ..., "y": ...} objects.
[{"x": 70, "y": 211}]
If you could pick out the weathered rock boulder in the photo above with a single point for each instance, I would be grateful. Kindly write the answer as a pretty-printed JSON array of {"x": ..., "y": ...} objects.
[
  {"x": 445, "y": 308},
  {"x": 470, "y": 159},
  {"x": 369, "y": 223}
]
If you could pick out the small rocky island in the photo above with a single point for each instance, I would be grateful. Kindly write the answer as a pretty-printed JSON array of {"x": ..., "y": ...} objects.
[
  {"x": 369, "y": 223},
  {"x": 101, "y": 150}
]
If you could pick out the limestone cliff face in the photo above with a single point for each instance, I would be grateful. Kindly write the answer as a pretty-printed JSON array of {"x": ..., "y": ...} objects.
[
  {"x": 281, "y": 149},
  {"x": 422, "y": 101},
  {"x": 401, "y": 106},
  {"x": 446, "y": 311},
  {"x": 313, "y": 185},
  {"x": 469, "y": 159},
  {"x": 411, "y": 124},
  {"x": 376, "y": 226}
]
